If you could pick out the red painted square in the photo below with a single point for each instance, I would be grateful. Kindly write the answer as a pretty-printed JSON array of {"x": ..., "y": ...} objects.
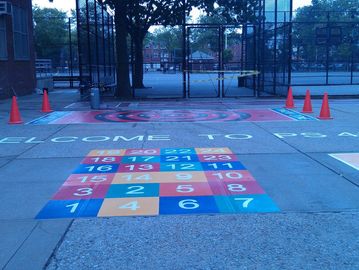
[
  {"x": 101, "y": 160},
  {"x": 236, "y": 188},
  {"x": 218, "y": 188},
  {"x": 86, "y": 179},
  {"x": 139, "y": 167},
  {"x": 185, "y": 189},
  {"x": 81, "y": 192},
  {"x": 217, "y": 158},
  {"x": 259, "y": 115},
  {"x": 249, "y": 187},
  {"x": 229, "y": 176},
  {"x": 143, "y": 152}
]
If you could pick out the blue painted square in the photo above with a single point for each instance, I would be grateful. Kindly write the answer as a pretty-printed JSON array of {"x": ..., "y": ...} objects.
[
  {"x": 178, "y": 151},
  {"x": 70, "y": 209},
  {"x": 133, "y": 190},
  {"x": 246, "y": 204},
  {"x": 98, "y": 168},
  {"x": 47, "y": 119},
  {"x": 179, "y": 158},
  {"x": 294, "y": 115},
  {"x": 188, "y": 205},
  {"x": 222, "y": 166},
  {"x": 140, "y": 159},
  {"x": 180, "y": 166}
]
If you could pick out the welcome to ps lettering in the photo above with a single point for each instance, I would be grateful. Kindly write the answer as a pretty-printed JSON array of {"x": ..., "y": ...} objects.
[{"x": 164, "y": 137}]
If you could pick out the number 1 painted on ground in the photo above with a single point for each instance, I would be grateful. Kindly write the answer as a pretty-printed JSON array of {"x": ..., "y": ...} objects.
[{"x": 73, "y": 207}]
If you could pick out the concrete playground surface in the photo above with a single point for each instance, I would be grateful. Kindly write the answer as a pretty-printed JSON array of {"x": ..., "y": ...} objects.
[{"x": 308, "y": 168}]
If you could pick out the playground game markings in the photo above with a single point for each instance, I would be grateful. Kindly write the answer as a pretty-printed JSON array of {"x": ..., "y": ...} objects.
[
  {"x": 350, "y": 159},
  {"x": 151, "y": 182},
  {"x": 195, "y": 115}
]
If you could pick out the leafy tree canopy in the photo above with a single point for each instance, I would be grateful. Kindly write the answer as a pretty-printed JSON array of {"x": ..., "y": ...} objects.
[
  {"x": 320, "y": 14},
  {"x": 51, "y": 32}
]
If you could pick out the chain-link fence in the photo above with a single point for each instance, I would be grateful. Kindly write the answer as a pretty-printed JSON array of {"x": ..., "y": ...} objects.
[
  {"x": 56, "y": 44},
  {"x": 96, "y": 44}
]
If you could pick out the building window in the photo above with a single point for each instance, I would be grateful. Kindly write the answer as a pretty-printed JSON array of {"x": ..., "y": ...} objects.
[
  {"x": 3, "y": 47},
  {"x": 21, "y": 37}
]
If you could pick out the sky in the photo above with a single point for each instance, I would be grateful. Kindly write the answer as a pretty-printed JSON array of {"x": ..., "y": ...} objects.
[{"x": 67, "y": 5}]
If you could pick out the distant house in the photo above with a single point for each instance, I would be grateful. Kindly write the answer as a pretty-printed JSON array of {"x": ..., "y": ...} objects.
[
  {"x": 17, "y": 54},
  {"x": 154, "y": 56},
  {"x": 202, "y": 61}
]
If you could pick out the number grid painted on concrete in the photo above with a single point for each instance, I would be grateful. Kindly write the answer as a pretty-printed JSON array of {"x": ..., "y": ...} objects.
[{"x": 150, "y": 182}]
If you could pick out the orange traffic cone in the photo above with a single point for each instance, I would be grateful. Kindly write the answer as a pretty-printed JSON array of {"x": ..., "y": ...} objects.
[
  {"x": 307, "y": 108},
  {"x": 45, "y": 103},
  {"x": 15, "y": 117},
  {"x": 289, "y": 104},
  {"x": 325, "y": 111}
]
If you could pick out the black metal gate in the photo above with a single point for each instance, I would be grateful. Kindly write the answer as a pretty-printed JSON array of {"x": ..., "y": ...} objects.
[{"x": 224, "y": 64}]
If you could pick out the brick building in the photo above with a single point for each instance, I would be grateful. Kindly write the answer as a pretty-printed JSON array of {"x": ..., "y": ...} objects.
[
  {"x": 155, "y": 56},
  {"x": 17, "y": 54}
]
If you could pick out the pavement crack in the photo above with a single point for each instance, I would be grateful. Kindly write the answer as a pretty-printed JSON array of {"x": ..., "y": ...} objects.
[
  {"x": 17, "y": 157},
  {"x": 21, "y": 245},
  {"x": 54, "y": 251},
  {"x": 310, "y": 157}
]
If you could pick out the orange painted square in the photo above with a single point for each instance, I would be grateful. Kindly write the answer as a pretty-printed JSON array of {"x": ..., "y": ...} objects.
[
  {"x": 222, "y": 150},
  {"x": 107, "y": 152},
  {"x": 130, "y": 207},
  {"x": 181, "y": 177},
  {"x": 135, "y": 178},
  {"x": 159, "y": 177}
]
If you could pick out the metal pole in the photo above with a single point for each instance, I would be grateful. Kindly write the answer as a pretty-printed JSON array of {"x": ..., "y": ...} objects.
[
  {"x": 188, "y": 65},
  {"x": 219, "y": 61},
  {"x": 88, "y": 40},
  {"x": 71, "y": 63},
  {"x": 290, "y": 43},
  {"x": 96, "y": 43},
  {"x": 103, "y": 40},
  {"x": 112, "y": 44},
  {"x": 221, "y": 31},
  {"x": 78, "y": 39},
  {"x": 327, "y": 51},
  {"x": 255, "y": 60},
  {"x": 274, "y": 66},
  {"x": 184, "y": 52},
  {"x": 263, "y": 44},
  {"x": 352, "y": 55},
  {"x": 108, "y": 45}
]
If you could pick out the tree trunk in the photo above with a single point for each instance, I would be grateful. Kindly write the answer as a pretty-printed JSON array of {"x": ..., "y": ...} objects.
[
  {"x": 123, "y": 73},
  {"x": 137, "y": 75}
]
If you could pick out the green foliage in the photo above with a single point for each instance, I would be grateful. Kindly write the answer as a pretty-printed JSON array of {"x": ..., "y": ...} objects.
[
  {"x": 324, "y": 13},
  {"x": 169, "y": 37},
  {"x": 206, "y": 39},
  {"x": 51, "y": 33},
  {"x": 143, "y": 14},
  {"x": 233, "y": 11}
]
